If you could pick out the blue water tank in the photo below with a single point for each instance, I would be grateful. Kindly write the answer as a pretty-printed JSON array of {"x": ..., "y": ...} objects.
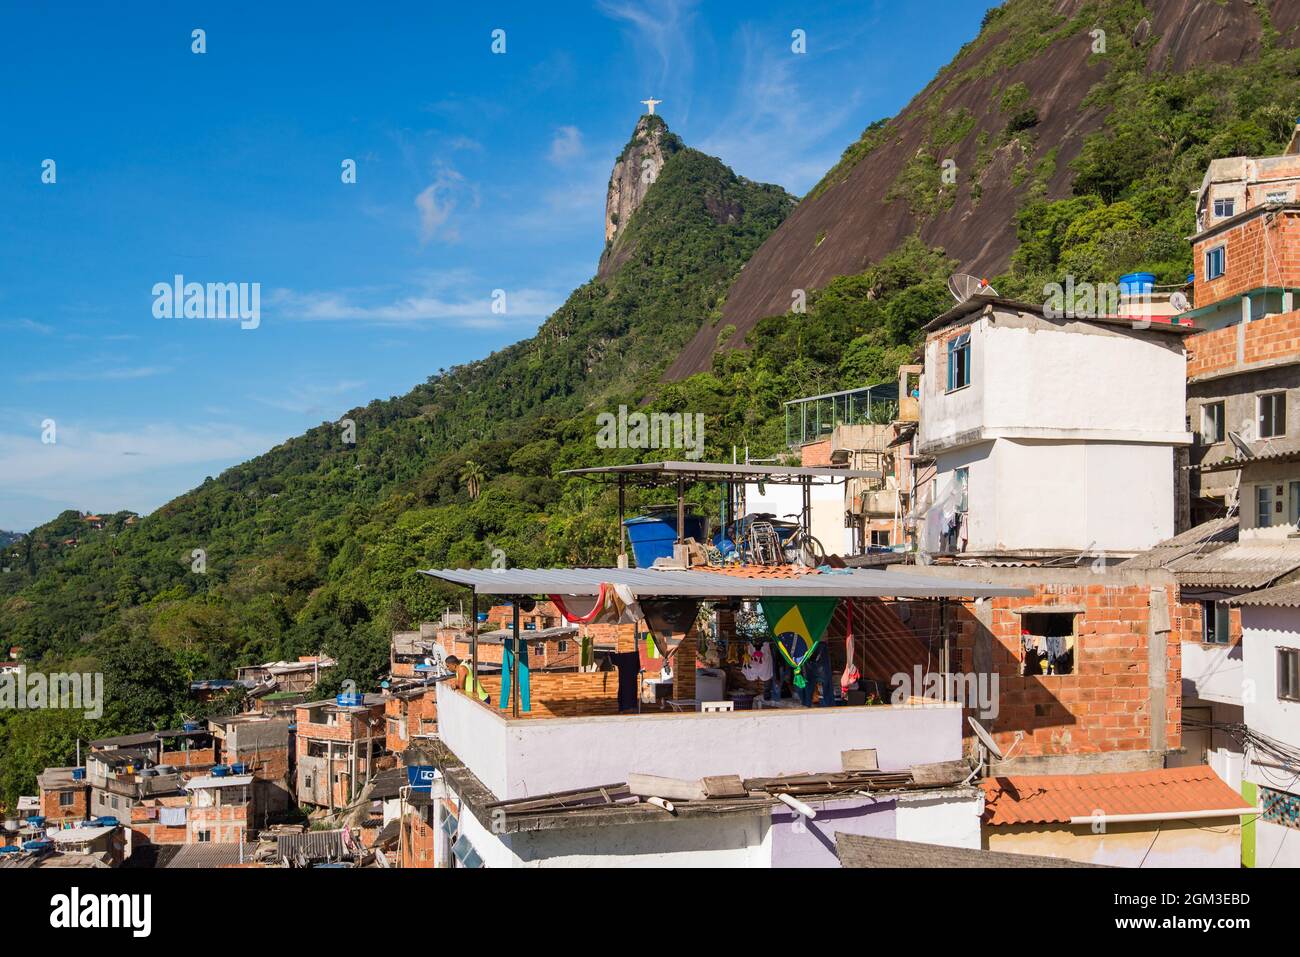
[
  {"x": 220, "y": 771},
  {"x": 1136, "y": 283},
  {"x": 10, "y": 849},
  {"x": 43, "y": 844},
  {"x": 107, "y": 820},
  {"x": 191, "y": 726},
  {"x": 652, "y": 536},
  {"x": 348, "y": 700},
  {"x": 237, "y": 768},
  {"x": 1191, "y": 278},
  {"x": 78, "y": 774},
  {"x": 36, "y": 820}
]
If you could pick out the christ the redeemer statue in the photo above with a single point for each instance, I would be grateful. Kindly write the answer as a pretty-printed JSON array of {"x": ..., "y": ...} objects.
[{"x": 651, "y": 104}]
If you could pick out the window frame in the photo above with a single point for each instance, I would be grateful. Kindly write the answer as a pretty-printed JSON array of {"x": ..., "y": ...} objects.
[
  {"x": 1263, "y": 511},
  {"x": 959, "y": 351},
  {"x": 1220, "y": 431},
  {"x": 1291, "y": 690},
  {"x": 1230, "y": 202},
  {"x": 1221, "y": 616},
  {"x": 1221, "y": 252},
  {"x": 1277, "y": 402}
]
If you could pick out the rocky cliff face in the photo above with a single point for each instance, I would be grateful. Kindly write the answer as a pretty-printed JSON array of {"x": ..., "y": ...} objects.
[
  {"x": 634, "y": 172},
  {"x": 1010, "y": 114}
]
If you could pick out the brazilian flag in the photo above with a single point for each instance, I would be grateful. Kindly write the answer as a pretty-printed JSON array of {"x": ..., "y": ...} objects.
[{"x": 790, "y": 618}]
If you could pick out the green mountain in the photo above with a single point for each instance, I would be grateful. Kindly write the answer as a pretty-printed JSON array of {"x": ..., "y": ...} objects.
[{"x": 315, "y": 545}]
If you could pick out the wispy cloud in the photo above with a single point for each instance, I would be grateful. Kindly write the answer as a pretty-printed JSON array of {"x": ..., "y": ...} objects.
[
  {"x": 312, "y": 398},
  {"x": 455, "y": 298},
  {"x": 665, "y": 30},
  {"x": 135, "y": 468},
  {"x": 26, "y": 325},
  {"x": 775, "y": 130},
  {"x": 435, "y": 204},
  {"x": 566, "y": 145},
  {"x": 96, "y": 370}
]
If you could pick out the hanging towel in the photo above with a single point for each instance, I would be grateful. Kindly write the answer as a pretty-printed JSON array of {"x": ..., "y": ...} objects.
[
  {"x": 851, "y": 673},
  {"x": 507, "y": 668}
]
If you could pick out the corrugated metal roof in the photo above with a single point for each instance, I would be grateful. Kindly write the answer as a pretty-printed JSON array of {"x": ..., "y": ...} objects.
[
  {"x": 856, "y": 850},
  {"x": 1056, "y": 798},
  {"x": 1200, "y": 540},
  {"x": 1253, "y": 564},
  {"x": 214, "y": 855},
  {"x": 314, "y": 845},
  {"x": 1281, "y": 596},
  {"x": 725, "y": 472},
  {"x": 648, "y": 582}
]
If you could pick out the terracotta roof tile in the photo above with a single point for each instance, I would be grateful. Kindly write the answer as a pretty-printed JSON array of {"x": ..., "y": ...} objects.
[
  {"x": 1056, "y": 798},
  {"x": 758, "y": 571}
]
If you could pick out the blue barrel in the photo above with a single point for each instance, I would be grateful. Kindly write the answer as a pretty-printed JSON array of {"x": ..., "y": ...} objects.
[
  {"x": 1137, "y": 283},
  {"x": 237, "y": 768},
  {"x": 652, "y": 536},
  {"x": 220, "y": 771},
  {"x": 348, "y": 700}
]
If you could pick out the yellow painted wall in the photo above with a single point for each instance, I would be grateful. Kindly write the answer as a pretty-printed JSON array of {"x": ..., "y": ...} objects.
[{"x": 1212, "y": 842}]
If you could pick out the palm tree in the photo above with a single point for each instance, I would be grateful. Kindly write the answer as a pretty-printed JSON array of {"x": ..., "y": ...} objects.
[{"x": 472, "y": 477}]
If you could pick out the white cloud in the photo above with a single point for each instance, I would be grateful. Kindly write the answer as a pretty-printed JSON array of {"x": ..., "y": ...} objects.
[
  {"x": 566, "y": 144},
  {"x": 96, "y": 372},
  {"x": 664, "y": 26},
  {"x": 138, "y": 469},
  {"x": 435, "y": 204},
  {"x": 454, "y": 298}
]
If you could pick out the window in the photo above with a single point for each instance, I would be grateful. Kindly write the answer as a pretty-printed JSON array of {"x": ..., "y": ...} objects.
[
  {"x": 1223, "y": 208},
  {"x": 959, "y": 362},
  {"x": 67, "y": 798},
  {"x": 1212, "y": 430},
  {"x": 205, "y": 837},
  {"x": 1272, "y": 415},
  {"x": 955, "y": 533},
  {"x": 1288, "y": 674},
  {"x": 1263, "y": 506},
  {"x": 539, "y": 650},
  {"x": 1047, "y": 643},
  {"x": 880, "y": 538},
  {"x": 561, "y": 647},
  {"x": 1214, "y": 623},
  {"x": 1216, "y": 263}
]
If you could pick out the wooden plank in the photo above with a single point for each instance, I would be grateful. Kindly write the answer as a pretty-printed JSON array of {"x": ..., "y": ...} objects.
[
  {"x": 863, "y": 759},
  {"x": 673, "y": 789},
  {"x": 724, "y": 786},
  {"x": 942, "y": 772}
]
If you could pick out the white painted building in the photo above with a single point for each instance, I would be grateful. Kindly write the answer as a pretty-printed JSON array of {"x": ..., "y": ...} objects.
[
  {"x": 1270, "y": 637},
  {"x": 1049, "y": 436},
  {"x": 487, "y": 758}
]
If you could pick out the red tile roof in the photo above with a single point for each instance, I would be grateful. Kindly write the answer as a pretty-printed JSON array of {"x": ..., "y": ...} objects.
[
  {"x": 1056, "y": 798},
  {"x": 758, "y": 571}
]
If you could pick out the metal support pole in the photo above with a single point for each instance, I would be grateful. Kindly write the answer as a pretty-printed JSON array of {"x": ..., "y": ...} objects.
[
  {"x": 946, "y": 659},
  {"x": 622, "y": 529},
  {"x": 805, "y": 516},
  {"x": 514, "y": 665},
  {"x": 473, "y": 644},
  {"x": 681, "y": 511}
]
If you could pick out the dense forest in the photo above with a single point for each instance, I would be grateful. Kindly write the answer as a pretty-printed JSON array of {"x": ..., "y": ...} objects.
[{"x": 316, "y": 545}]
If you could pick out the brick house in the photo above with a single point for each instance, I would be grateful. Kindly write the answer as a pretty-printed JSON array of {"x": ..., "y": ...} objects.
[
  {"x": 339, "y": 741},
  {"x": 262, "y": 746},
  {"x": 64, "y": 794},
  {"x": 409, "y": 713},
  {"x": 222, "y": 809}
]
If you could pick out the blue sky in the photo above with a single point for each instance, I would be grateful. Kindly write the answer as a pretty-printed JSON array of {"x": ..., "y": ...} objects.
[{"x": 475, "y": 172}]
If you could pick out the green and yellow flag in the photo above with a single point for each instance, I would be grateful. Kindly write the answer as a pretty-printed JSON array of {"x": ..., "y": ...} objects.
[{"x": 807, "y": 618}]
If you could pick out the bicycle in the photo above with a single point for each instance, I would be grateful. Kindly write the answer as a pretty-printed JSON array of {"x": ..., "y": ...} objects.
[{"x": 801, "y": 547}]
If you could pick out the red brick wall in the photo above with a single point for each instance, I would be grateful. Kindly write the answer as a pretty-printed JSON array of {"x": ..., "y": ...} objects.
[
  {"x": 51, "y": 810},
  {"x": 1268, "y": 339},
  {"x": 563, "y": 694},
  {"x": 1105, "y": 704},
  {"x": 1258, "y": 254},
  {"x": 419, "y": 715}
]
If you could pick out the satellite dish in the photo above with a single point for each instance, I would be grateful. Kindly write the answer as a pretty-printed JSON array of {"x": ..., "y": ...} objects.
[
  {"x": 985, "y": 738},
  {"x": 963, "y": 286},
  {"x": 1180, "y": 302},
  {"x": 1239, "y": 443}
]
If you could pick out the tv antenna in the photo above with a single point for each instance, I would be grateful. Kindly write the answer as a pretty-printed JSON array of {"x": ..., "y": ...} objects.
[
  {"x": 1241, "y": 445},
  {"x": 963, "y": 286},
  {"x": 987, "y": 748}
]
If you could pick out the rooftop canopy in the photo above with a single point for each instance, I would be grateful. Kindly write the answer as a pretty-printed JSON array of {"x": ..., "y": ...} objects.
[
  {"x": 674, "y": 583},
  {"x": 668, "y": 473}
]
